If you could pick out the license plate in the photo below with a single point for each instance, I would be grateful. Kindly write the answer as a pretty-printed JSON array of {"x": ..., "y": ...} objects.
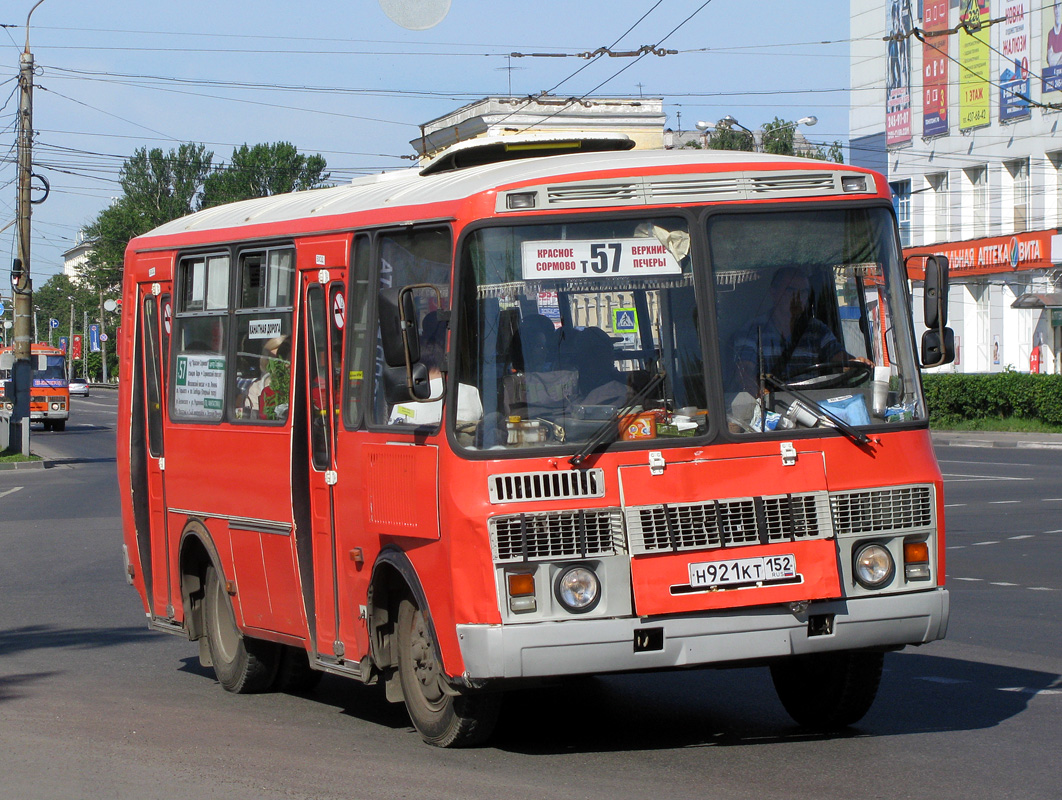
[{"x": 742, "y": 571}]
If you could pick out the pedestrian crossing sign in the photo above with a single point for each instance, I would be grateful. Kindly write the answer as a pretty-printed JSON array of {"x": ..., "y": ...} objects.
[{"x": 624, "y": 320}]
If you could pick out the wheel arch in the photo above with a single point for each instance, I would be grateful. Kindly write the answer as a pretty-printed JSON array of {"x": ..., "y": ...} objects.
[{"x": 196, "y": 551}]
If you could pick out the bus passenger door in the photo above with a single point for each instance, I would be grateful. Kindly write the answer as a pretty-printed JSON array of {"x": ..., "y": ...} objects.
[
  {"x": 321, "y": 331},
  {"x": 155, "y": 310}
]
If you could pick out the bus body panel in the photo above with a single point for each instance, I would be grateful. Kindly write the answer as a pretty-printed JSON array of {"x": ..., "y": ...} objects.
[{"x": 415, "y": 492}]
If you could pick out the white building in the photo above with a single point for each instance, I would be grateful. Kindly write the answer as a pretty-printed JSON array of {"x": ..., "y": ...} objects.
[
  {"x": 971, "y": 145},
  {"x": 75, "y": 259}
]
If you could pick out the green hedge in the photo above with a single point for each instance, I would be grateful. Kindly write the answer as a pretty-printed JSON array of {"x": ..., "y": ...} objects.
[{"x": 953, "y": 398}]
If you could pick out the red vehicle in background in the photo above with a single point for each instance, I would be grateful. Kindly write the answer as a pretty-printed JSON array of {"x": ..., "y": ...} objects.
[
  {"x": 507, "y": 418},
  {"x": 50, "y": 394}
]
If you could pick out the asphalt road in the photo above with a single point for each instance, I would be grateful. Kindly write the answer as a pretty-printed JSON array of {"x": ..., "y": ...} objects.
[{"x": 93, "y": 705}]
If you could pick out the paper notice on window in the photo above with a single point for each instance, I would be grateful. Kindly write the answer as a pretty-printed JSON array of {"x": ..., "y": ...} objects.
[
  {"x": 199, "y": 388},
  {"x": 264, "y": 328},
  {"x": 604, "y": 258}
]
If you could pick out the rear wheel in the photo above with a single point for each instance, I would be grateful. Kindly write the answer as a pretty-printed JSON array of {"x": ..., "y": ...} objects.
[
  {"x": 59, "y": 425},
  {"x": 441, "y": 718},
  {"x": 242, "y": 664},
  {"x": 828, "y": 691}
]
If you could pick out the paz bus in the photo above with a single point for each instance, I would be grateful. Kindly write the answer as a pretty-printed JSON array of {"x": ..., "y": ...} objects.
[
  {"x": 49, "y": 393},
  {"x": 537, "y": 409}
]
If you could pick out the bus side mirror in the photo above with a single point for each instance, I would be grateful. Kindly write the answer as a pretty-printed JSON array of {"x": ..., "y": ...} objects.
[
  {"x": 938, "y": 342},
  {"x": 398, "y": 327},
  {"x": 400, "y": 388}
]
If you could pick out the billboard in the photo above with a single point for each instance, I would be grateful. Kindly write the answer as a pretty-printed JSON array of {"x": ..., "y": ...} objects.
[
  {"x": 974, "y": 54},
  {"x": 1051, "y": 89},
  {"x": 898, "y": 73},
  {"x": 1014, "y": 62},
  {"x": 935, "y": 69}
]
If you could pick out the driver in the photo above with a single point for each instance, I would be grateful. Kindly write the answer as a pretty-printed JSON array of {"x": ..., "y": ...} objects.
[{"x": 793, "y": 340}]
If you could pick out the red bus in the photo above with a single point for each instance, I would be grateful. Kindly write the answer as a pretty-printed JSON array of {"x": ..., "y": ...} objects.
[
  {"x": 501, "y": 420},
  {"x": 50, "y": 392}
]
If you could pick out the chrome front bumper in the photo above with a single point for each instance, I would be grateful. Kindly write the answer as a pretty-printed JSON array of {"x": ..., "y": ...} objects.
[{"x": 588, "y": 646}]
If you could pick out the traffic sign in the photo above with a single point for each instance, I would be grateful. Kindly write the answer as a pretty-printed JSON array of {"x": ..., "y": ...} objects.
[
  {"x": 3, "y": 308},
  {"x": 53, "y": 322}
]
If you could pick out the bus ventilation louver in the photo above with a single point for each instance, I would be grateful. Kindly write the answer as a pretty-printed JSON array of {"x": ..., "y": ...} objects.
[
  {"x": 873, "y": 510},
  {"x": 578, "y": 195},
  {"x": 552, "y": 485},
  {"x": 729, "y": 523},
  {"x": 556, "y": 534},
  {"x": 815, "y": 182}
]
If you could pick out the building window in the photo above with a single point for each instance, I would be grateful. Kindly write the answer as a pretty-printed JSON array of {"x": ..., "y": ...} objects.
[
  {"x": 901, "y": 201},
  {"x": 940, "y": 225},
  {"x": 1019, "y": 173},
  {"x": 978, "y": 177}
]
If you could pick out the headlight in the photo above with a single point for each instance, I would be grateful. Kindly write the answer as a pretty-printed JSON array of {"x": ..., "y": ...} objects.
[
  {"x": 578, "y": 589},
  {"x": 873, "y": 566},
  {"x": 55, "y": 406}
]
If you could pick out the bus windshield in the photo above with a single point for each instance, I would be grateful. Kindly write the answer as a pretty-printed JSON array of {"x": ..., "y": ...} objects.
[
  {"x": 50, "y": 368},
  {"x": 566, "y": 326},
  {"x": 805, "y": 303}
]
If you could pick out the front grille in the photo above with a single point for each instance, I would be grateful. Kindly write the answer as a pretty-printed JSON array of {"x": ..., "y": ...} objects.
[
  {"x": 551, "y": 485},
  {"x": 728, "y": 523},
  {"x": 556, "y": 534},
  {"x": 873, "y": 510}
]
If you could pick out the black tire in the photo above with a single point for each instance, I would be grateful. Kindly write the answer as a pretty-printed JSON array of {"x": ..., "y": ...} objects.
[
  {"x": 294, "y": 674},
  {"x": 441, "y": 718},
  {"x": 243, "y": 665},
  {"x": 59, "y": 425},
  {"x": 47, "y": 424},
  {"x": 828, "y": 691}
]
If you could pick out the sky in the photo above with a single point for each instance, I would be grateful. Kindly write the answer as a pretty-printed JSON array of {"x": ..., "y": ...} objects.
[{"x": 344, "y": 80}]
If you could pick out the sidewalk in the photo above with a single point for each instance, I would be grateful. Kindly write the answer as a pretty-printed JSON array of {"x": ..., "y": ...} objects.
[{"x": 1040, "y": 441}]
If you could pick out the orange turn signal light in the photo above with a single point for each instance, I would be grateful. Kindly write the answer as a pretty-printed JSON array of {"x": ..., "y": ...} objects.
[
  {"x": 915, "y": 552},
  {"x": 521, "y": 584}
]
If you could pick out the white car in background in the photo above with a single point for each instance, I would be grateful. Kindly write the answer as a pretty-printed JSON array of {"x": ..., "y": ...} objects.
[{"x": 79, "y": 386}]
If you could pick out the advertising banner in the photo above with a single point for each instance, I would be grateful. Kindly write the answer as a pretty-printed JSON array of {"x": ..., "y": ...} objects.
[
  {"x": 935, "y": 70},
  {"x": 94, "y": 338},
  {"x": 1051, "y": 90},
  {"x": 75, "y": 351},
  {"x": 64, "y": 344},
  {"x": 898, "y": 73},
  {"x": 989, "y": 256},
  {"x": 1014, "y": 62},
  {"x": 974, "y": 52}
]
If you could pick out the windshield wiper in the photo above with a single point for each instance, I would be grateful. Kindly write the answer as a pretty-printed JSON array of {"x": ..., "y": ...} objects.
[
  {"x": 608, "y": 431},
  {"x": 856, "y": 436}
]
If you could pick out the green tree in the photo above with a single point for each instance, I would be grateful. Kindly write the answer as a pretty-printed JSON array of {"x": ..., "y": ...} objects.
[
  {"x": 778, "y": 137},
  {"x": 156, "y": 187},
  {"x": 263, "y": 171},
  {"x": 724, "y": 137}
]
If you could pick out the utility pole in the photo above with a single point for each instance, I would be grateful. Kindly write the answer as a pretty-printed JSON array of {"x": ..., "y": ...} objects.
[{"x": 22, "y": 373}]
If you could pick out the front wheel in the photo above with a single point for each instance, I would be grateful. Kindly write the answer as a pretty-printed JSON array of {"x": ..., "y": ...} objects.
[
  {"x": 242, "y": 665},
  {"x": 828, "y": 691},
  {"x": 441, "y": 718}
]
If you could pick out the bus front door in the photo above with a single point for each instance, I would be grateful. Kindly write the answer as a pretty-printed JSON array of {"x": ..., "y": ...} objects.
[
  {"x": 149, "y": 449},
  {"x": 322, "y": 336}
]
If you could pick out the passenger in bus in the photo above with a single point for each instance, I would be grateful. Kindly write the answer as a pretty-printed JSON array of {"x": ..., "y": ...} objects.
[
  {"x": 541, "y": 383},
  {"x": 792, "y": 340},
  {"x": 433, "y": 356},
  {"x": 600, "y": 383},
  {"x": 267, "y": 396}
]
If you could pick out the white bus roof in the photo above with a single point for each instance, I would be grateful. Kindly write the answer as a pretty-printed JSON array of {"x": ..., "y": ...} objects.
[{"x": 409, "y": 188}]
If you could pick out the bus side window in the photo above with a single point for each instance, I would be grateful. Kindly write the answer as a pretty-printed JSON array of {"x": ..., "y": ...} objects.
[
  {"x": 199, "y": 341},
  {"x": 261, "y": 376},
  {"x": 359, "y": 310},
  {"x": 406, "y": 257}
]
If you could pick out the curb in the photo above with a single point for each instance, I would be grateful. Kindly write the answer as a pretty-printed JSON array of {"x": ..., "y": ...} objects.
[
  {"x": 11, "y": 465},
  {"x": 1014, "y": 445}
]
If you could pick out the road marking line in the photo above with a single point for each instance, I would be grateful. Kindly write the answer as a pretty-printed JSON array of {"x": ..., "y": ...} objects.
[
  {"x": 1023, "y": 536},
  {"x": 12, "y": 491},
  {"x": 971, "y": 580},
  {"x": 1027, "y": 690},
  {"x": 1051, "y": 499},
  {"x": 1002, "y": 583},
  {"x": 983, "y": 463},
  {"x": 1040, "y": 589},
  {"x": 964, "y": 477},
  {"x": 978, "y": 544},
  {"x": 957, "y": 547},
  {"x": 1002, "y": 502},
  {"x": 938, "y": 679},
  {"x": 954, "y": 505}
]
